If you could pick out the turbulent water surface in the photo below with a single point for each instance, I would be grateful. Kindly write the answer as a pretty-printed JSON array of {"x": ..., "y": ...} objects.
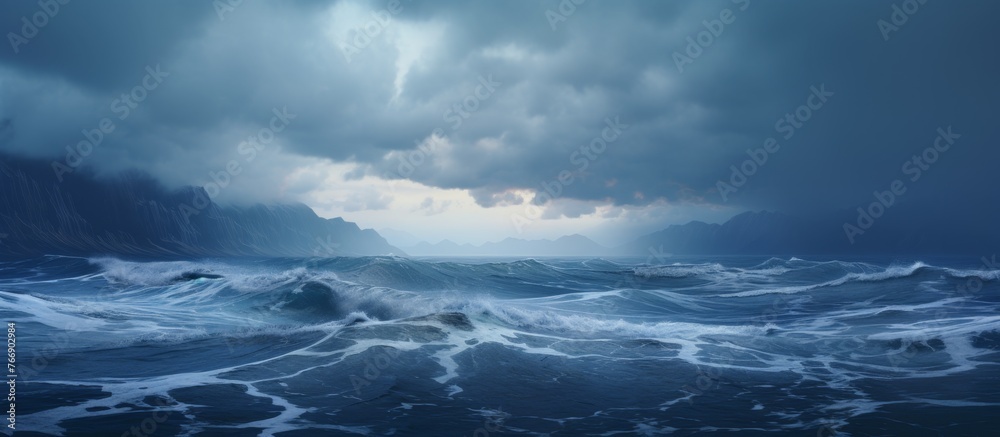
[{"x": 395, "y": 346}]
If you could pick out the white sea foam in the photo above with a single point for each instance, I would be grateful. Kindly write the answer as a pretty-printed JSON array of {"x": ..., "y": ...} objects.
[{"x": 892, "y": 272}]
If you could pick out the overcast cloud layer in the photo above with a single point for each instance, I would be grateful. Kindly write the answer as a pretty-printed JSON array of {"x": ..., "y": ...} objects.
[{"x": 534, "y": 82}]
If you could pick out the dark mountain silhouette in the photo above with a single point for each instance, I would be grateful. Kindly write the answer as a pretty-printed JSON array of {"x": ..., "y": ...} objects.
[
  {"x": 132, "y": 214},
  {"x": 772, "y": 233}
]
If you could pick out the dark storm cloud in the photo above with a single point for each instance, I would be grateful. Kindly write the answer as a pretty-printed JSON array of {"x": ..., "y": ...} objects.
[
  {"x": 517, "y": 103},
  {"x": 96, "y": 46}
]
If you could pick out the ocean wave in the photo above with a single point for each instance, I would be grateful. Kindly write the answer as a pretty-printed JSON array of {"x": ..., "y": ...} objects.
[
  {"x": 983, "y": 274},
  {"x": 351, "y": 337},
  {"x": 533, "y": 320},
  {"x": 679, "y": 270},
  {"x": 129, "y": 273},
  {"x": 889, "y": 273}
]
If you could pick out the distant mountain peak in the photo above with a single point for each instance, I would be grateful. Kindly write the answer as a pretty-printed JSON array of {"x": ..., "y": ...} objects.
[
  {"x": 132, "y": 215},
  {"x": 779, "y": 233}
]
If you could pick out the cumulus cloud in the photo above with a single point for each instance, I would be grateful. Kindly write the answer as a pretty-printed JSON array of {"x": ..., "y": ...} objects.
[{"x": 489, "y": 98}]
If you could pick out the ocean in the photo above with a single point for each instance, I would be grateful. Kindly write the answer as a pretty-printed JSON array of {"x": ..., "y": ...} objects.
[{"x": 489, "y": 347}]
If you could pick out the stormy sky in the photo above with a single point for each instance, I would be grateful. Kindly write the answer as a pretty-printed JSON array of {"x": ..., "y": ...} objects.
[{"x": 451, "y": 119}]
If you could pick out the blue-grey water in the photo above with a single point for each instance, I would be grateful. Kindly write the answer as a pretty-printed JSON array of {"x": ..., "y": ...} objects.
[{"x": 480, "y": 347}]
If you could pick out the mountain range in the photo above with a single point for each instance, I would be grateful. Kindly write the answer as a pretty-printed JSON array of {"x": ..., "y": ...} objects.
[
  {"x": 756, "y": 233},
  {"x": 133, "y": 215},
  {"x": 774, "y": 233}
]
